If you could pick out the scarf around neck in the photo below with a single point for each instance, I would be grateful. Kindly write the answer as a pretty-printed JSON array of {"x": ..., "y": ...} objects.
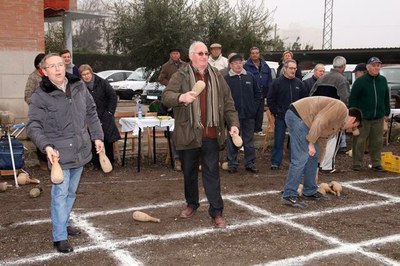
[{"x": 212, "y": 100}]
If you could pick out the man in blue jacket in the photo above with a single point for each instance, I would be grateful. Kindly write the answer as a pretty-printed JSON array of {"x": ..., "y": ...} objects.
[
  {"x": 284, "y": 90},
  {"x": 245, "y": 94},
  {"x": 262, "y": 73}
]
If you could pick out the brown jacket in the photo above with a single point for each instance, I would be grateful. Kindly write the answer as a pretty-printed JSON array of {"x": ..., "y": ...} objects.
[
  {"x": 168, "y": 69},
  {"x": 324, "y": 116},
  {"x": 185, "y": 136}
]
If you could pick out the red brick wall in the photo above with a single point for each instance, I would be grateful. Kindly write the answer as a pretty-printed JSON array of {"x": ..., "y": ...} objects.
[{"x": 22, "y": 25}]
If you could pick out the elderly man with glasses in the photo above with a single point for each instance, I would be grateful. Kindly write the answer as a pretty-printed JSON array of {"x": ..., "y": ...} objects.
[
  {"x": 200, "y": 128},
  {"x": 60, "y": 113}
]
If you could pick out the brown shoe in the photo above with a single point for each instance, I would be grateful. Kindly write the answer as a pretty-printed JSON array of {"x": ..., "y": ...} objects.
[
  {"x": 187, "y": 213},
  {"x": 219, "y": 222},
  {"x": 178, "y": 166}
]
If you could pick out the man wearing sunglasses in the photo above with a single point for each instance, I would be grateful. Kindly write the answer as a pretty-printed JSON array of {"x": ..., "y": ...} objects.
[{"x": 200, "y": 128}]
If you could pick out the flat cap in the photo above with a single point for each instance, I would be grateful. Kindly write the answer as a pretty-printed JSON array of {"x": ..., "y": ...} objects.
[{"x": 215, "y": 45}]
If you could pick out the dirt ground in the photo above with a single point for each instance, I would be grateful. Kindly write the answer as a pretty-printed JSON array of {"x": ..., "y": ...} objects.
[{"x": 362, "y": 227}]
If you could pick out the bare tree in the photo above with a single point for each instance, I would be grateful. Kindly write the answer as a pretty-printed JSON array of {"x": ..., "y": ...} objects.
[
  {"x": 89, "y": 33},
  {"x": 54, "y": 38}
]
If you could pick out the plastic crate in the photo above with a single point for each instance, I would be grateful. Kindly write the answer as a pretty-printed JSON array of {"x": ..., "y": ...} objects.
[{"x": 390, "y": 162}]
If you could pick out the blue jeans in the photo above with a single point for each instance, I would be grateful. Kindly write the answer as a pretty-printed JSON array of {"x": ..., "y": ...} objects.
[
  {"x": 247, "y": 133},
  {"x": 300, "y": 161},
  {"x": 62, "y": 199},
  {"x": 208, "y": 154},
  {"x": 279, "y": 140}
]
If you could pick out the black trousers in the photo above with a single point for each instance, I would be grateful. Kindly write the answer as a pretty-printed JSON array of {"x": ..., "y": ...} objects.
[
  {"x": 208, "y": 155},
  {"x": 109, "y": 152}
]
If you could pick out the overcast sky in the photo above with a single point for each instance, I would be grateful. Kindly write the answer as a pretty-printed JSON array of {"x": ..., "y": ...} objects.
[{"x": 356, "y": 23}]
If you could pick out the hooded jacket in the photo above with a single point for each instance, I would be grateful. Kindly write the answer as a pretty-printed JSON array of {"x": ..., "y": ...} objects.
[{"x": 61, "y": 119}]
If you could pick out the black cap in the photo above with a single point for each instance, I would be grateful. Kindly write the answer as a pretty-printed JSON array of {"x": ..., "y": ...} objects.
[
  {"x": 236, "y": 57},
  {"x": 38, "y": 59},
  {"x": 174, "y": 50},
  {"x": 360, "y": 67}
]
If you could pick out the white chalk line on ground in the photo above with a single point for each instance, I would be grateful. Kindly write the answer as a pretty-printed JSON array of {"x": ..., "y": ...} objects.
[
  {"x": 135, "y": 240},
  {"x": 97, "y": 235},
  {"x": 347, "y": 247},
  {"x": 130, "y": 181}
]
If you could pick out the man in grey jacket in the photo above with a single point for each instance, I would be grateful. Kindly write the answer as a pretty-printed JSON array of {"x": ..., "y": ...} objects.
[
  {"x": 333, "y": 84},
  {"x": 60, "y": 113}
]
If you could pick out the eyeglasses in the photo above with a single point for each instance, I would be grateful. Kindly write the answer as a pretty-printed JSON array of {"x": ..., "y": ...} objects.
[
  {"x": 201, "y": 53},
  {"x": 54, "y": 66}
]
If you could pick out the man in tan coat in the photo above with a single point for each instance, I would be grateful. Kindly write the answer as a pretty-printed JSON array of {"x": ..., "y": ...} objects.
[
  {"x": 311, "y": 121},
  {"x": 200, "y": 128}
]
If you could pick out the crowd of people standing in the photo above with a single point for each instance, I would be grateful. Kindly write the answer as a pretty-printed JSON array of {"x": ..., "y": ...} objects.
[{"x": 71, "y": 118}]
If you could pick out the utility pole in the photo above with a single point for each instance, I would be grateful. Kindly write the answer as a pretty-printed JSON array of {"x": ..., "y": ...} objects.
[{"x": 327, "y": 32}]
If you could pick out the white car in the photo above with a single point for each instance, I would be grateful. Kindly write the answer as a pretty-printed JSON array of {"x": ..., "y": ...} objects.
[
  {"x": 133, "y": 85},
  {"x": 114, "y": 75},
  {"x": 348, "y": 72}
]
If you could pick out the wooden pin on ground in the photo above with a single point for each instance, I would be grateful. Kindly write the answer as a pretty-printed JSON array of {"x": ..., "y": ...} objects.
[
  {"x": 324, "y": 188},
  {"x": 300, "y": 190},
  {"x": 144, "y": 217},
  {"x": 4, "y": 186},
  {"x": 337, "y": 187},
  {"x": 24, "y": 179}
]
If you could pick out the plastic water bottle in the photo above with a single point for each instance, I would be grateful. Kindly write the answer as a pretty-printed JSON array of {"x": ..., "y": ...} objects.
[{"x": 139, "y": 111}]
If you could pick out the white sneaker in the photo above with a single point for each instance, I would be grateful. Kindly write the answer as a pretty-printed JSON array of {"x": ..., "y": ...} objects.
[{"x": 259, "y": 133}]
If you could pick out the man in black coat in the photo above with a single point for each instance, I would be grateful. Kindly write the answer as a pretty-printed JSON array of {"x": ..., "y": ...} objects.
[{"x": 106, "y": 102}]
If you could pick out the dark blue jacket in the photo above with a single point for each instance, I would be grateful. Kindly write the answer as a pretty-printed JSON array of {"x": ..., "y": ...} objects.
[
  {"x": 263, "y": 75},
  {"x": 283, "y": 92},
  {"x": 245, "y": 93},
  {"x": 309, "y": 83}
]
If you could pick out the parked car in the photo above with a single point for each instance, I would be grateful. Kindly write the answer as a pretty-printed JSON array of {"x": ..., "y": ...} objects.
[
  {"x": 153, "y": 89},
  {"x": 133, "y": 85},
  {"x": 348, "y": 72},
  {"x": 151, "y": 92},
  {"x": 392, "y": 74},
  {"x": 114, "y": 75},
  {"x": 274, "y": 67}
]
